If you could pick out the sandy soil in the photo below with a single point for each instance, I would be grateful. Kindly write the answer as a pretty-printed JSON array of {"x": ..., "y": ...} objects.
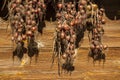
[{"x": 84, "y": 70}]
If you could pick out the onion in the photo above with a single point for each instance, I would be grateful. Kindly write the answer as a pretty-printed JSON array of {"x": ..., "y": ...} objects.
[
  {"x": 83, "y": 2},
  {"x": 19, "y": 38},
  {"x": 72, "y": 5},
  {"x": 59, "y": 26},
  {"x": 23, "y": 37},
  {"x": 66, "y": 16},
  {"x": 44, "y": 6},
  {"x": 36, "y": 10},
  {"x": 18, "y": 1},
  {"x": 72, "y": 40},
  {"x": 28, "y": 22},
  {"x": 76, "y": 21},
  {"x": 39, "y": 3},
  {"x": 100, "y": 17},
  {"x": 58, "y": 15},
  {"x": 60, "y": 5},
  {"x": 32, "y": 10},
  {"x": 33, "y": 28},
  {"x": 29, "y": 26},
  {"x": 98, "y": 25},
  {"x": 82, "y": 11},
  {"x": 68, "y": 51},
  {"x": 72, "y": 52},
  {"x": 14, "y": 5},
  {"x": 20, "y": 30},
  {"x": 29, "y": 33},
  {"x": 101, "y": 9},
  {"x": 95, "y": 30},
  {"x": 105, "y": 47},
  {"x": 103, "y": 21},
  {"x": 80, "y": 7},
  {"x": 28, "y": 13},
  {"x": 97, "y": 46},
  {"x": 16, "y": 35},
  {"x": 101, "y": 46},
  {"x": 12, "y": 38},
  {"x": 84, "y": 16},
  {"x": 26, "y": 6},
  {"x": 68, "y": 37},
  {"x": 39, "y": 9},
  {"x": 13, "y": 22},
  {"x": 100, "y": 13},
  {"x": 73, "y": 36},
  {"x": 68, "y": 6},
  {"x": 33, "y": 22},
  {"x": 99, "y": 29},
  {"x": 30, "y": 2},
  {"x": 89, "y": 7},
  {"x": 72, "y": 46},
  {"x": 72, "y": 23},
  {"x": 34, "y": 0},
  {"x": 62, "y": 34},
  {"x": 94, "y": 7},
  {"x": 17, "y": 8},
  {"x": 64, "y": 56},
  {"x": 92, "y": 46},
  {"x": 66, "y": 27}
]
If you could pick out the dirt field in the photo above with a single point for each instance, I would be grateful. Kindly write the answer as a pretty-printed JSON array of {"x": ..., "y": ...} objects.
[{"x": 84, "y": 70}]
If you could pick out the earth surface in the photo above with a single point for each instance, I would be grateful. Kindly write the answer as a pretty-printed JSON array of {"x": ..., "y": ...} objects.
[{"x": 42, "y": 70}]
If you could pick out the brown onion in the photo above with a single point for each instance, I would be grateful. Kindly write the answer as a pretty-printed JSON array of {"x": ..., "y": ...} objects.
[
  {"x": 28, "y": 12},
  {"x": 28, "y": 22},
  {"x": 58, "y": 15},
  {"x": 73, "y": 36},
  {"x": 39, "y": 3},
  {"x": 66, "y": 16},
  {"x": 68, "y": 51},
  {"x": 29, "y": 33},
  {"x": 80, "y": 7},
  {"x": 64, "y": 56},
  {"x": 16, "y": 35},
  {"x": 72, "y": 23},
  {"x": 23, "y": 37},
  {"x": 12, "y": 38},
  {"x": 89, "y": 7},
  {"x": 33, "y": 28},
  {"x": 19, "y": 38},
  {"x": 101, "y": 9},
  {"x": 68, "y": 37},
  {"x": 44, "y": 6},
  {"x": 60, "y": 5},
  {"x": 62, "y": 34},
  {"x": 72, "y": 46},
  {"x": 18, "y": 1},
  {"x": 68, "y": 6},
  {"x": 94, "y": 6},
  {"x": 105, "y": 46},
  {"x": 14, "y": 5},
  {"x": 66, "y": 27},
  {"x": 92, "y": 46},
  {"x": 72, "y": 40},
  {"x": 72, "y": 52},
  {"x": 103, "y": 21},
  {"x": 59, "y": 26},
  {"x": 20, "y": 30},
  {"x": 97, "y": 46},
  {"x": 83, "y": 2},
  {"x": 76, "y": 21}
]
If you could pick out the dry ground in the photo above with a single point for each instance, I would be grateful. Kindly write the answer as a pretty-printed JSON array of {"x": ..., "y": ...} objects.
[{"x": 84, "y": 70}]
